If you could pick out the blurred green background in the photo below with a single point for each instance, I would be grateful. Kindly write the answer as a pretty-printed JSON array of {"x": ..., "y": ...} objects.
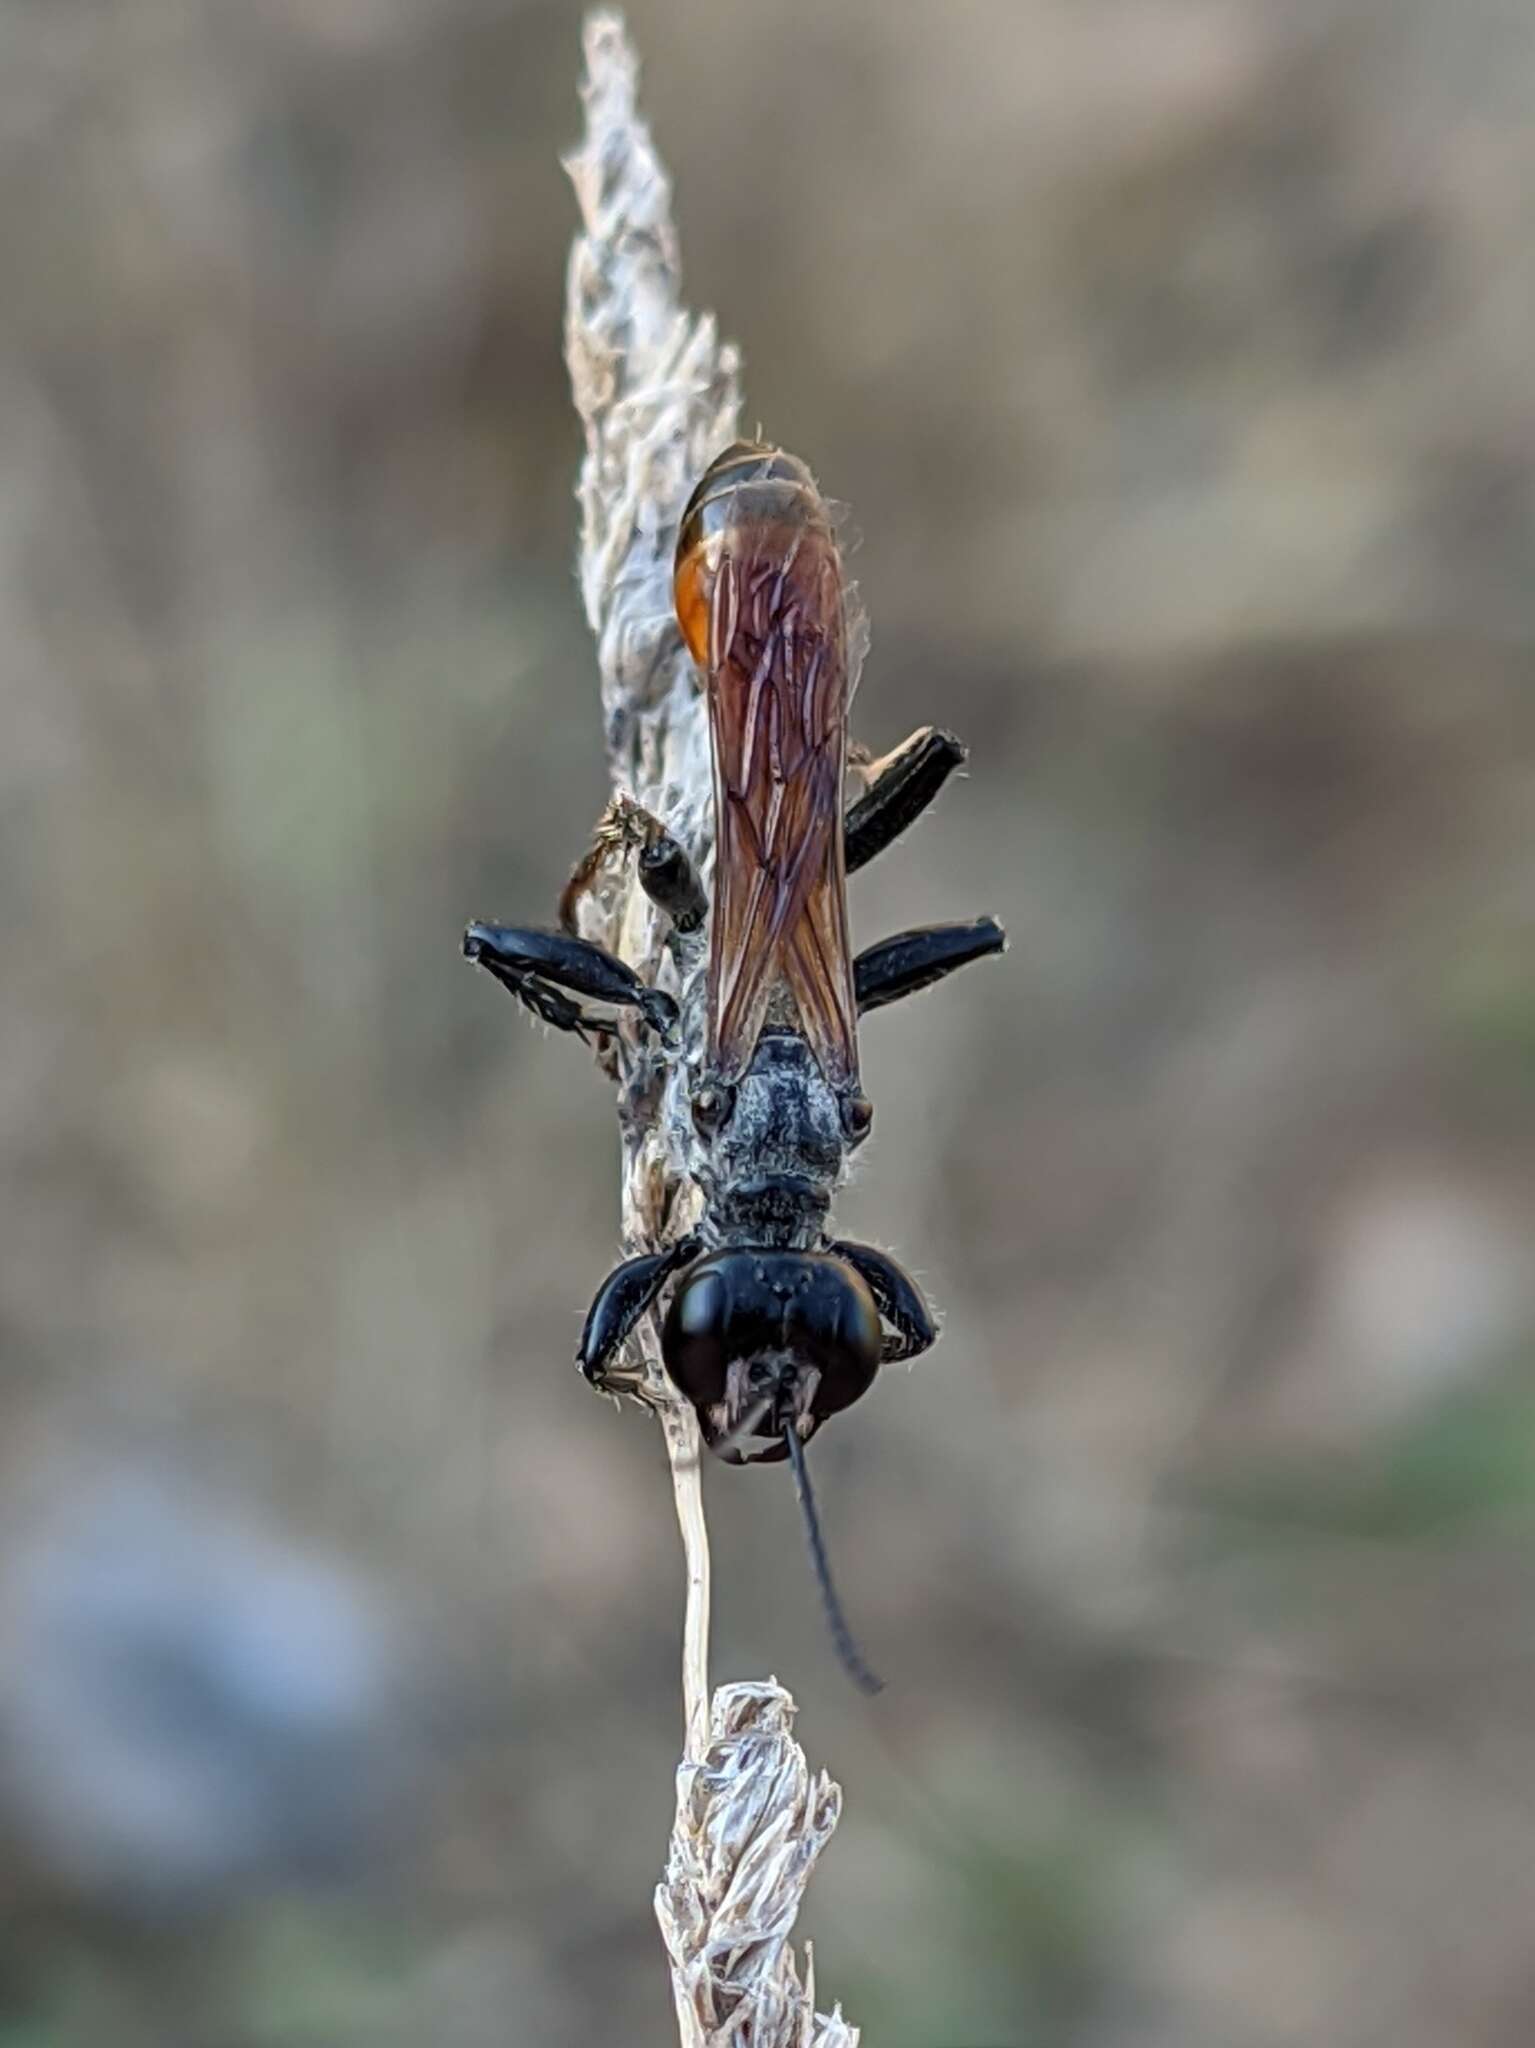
[{"x": 1174, "y": 356}]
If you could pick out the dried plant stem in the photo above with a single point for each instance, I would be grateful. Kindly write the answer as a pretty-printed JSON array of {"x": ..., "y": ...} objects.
[
  {"x": 658, "y": 395},
  {"x": 682, "y": 1449}
]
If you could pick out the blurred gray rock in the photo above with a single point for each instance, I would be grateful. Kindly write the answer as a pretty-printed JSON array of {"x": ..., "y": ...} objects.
[{"x": 191, "y": 1705}]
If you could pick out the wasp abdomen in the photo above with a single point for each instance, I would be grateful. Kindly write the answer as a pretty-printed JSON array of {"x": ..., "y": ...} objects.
[{"x": 766, "y": 499}]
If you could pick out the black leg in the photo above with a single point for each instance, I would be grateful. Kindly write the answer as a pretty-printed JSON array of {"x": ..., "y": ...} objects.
[
  {"x": 897, "y": 1298},
  {"x": 628, "y": 1291},
  {"x": 671, "y": 882},
  {"x": 903, "y": 786},
  {"x": 536, "y": 965},
  {"x": 914, "y": 960},
  {"x": 549, "y": 1005},
  {"x": 666, "y": 874}
]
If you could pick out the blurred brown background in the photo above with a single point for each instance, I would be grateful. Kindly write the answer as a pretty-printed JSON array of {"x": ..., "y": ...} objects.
[{"x": 1174, "y": 356}]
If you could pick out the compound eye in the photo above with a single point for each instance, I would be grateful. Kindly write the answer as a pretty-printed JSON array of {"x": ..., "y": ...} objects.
[
  {"x": 711, "y": 1106},
  {"x": 859, "y": 1337},
  {"x": 857, "y": 1117},
  {"x": 838, "y": 1328},
  {"x": 693, "y": 1341}
]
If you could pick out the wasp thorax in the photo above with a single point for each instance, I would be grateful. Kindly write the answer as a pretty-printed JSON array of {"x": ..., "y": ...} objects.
[{"x": 775, "y": 1158}]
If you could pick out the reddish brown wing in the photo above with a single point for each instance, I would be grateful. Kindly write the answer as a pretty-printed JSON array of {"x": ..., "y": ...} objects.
[{"x": 777, "y": 680}]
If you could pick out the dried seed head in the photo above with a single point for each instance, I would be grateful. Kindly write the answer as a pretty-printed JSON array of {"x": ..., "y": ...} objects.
[{"x": 751, "y": 1821}]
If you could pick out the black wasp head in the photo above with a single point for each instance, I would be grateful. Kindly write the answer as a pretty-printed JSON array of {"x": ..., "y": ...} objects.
[
  {"x": 766, "y": 1345},
  {"x": 764, "y": 1341}
]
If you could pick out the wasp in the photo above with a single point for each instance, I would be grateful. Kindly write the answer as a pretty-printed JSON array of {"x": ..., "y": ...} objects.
[{"x": 773, "y": 1324}]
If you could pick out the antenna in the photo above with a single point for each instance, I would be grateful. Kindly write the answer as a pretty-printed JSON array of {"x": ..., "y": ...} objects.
[{"x": 836, "y": 1620}]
